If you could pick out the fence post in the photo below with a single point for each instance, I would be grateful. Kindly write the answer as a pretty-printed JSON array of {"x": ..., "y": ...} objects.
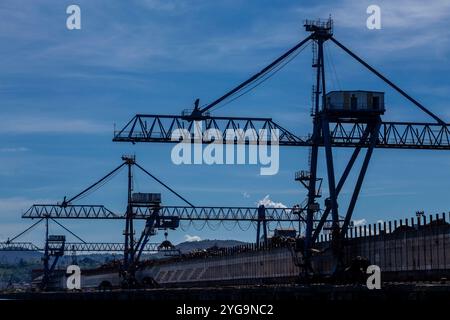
[
  {"x": 431, "y": 242},
  {"x": 407, "y": 247},
  {"x": 444, "y": 240}
]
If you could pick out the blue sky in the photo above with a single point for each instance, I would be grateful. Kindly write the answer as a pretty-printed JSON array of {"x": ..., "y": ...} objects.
[{"x": 62, "y": 91}]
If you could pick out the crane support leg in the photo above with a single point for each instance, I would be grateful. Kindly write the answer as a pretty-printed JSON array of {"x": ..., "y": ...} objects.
[
  {"x": 330, "y": 172},
  {"x": 341, "y": 183},
  {"x": 149, "y": 225},
  {"x": 311, "y": 201},
  {"x": 261, "y": 223},
  {"x": 362, "y": 173},
  {"x": 338, "y": 242}
]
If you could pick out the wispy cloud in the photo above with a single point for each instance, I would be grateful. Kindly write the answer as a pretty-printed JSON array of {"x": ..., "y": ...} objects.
[
  {"x": 11, "y": 210},
  {"x": 268, "y": 203},
  {"x": 14, "y": 149},
  {"x": 234, "y": 190},
  {"x": 13, "y": 207},
  {"x": 28, "y": 125},
  {"x": 180, "y": 45},
  {"x": 406, "y": 24},
  {"x": 144, "y": 44},
  {"x": 171, "y": 6},
  {"x": 190, "y": 238},
  {"x": 359, "y": 222}
]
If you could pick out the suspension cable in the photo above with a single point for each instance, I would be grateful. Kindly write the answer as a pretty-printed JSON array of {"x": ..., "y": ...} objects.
[
  {"x": 26, "y": 230},
  {"x": 257, "y": 75},
  {"x": 164, "y": 185},
  {"x": 68, "y": 230},
  {"x": 269, "y": 74},
  {"x": 94, "y": 185}
]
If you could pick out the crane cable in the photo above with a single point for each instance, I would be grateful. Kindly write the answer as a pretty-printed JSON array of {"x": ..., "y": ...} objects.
[
  {"x": 333, "y": 67},
  {"x": 98, "y": 186},
  {"x": 25, "y": 231},
  {"x": 62, "y": 226},
  {"x": 269, "y": 74}
]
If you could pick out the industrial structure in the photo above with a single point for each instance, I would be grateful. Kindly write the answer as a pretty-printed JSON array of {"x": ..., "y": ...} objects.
[
  {"x": 350, "y": 119},
  {"x": 140, "y": 206},
  {"x": 406, "y": 250}
]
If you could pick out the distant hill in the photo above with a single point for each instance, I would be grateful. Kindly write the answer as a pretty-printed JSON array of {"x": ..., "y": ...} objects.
[
  {"x": 92, "y": 260},
  {"x": 13, "y": 257},
  {"x": 186, "y": 247}
]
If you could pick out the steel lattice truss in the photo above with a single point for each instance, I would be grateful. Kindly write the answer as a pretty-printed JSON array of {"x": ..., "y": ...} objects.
[
  {"x": 159, "y": 128},
  {"x": 182, "y": 212},
  {"x": 222, "y": 213},
  {"x": 399, "y": 135},
  {"x": 81, "y": 247},
  {"x": 72, "y": 211},
  {"x": 18, "y": 246},
  {"x": 108, "y": 247}
]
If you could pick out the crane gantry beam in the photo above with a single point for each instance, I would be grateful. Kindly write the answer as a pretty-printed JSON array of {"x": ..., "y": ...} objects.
[
  {"x": 181, "y": 212},
  {"x": 169, "y": 128},
  {"x": 70, "y": 211},
  {"x": 107, "y": 247},
  {"x": 18, "y": 246},
  {"x": 344, "y": 133},
  {"x": 80, "y": 247}
]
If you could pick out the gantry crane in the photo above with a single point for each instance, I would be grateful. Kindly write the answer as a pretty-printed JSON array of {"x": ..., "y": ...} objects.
[
  {"x": 155, "y": 215},
  {"x": 56, "y": 246},
  {"x": 331, "y": 129}
]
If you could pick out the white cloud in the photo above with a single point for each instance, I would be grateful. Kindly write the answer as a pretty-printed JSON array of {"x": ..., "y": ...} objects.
[
  {"x": 190, "y": 238},
  {"x": 162, "y": 44},
  {"x": 150, "y": 44},
  {"x": 360, "y": 222},
  {"x": 409, "y": 14},
  {"x": 245, "y": 194},
  {"x": 394, "y": 14},
  {"x": 268, "y": 203},
  {"x": 405, "y": 24}
]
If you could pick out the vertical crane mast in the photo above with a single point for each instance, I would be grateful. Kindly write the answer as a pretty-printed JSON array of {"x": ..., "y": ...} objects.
[
  {"x": 325, "y": 113},
  {"x": 46, "y": 257},
  {"x": 321, "y": 31},
  {"x": 129, "y": 228}
]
